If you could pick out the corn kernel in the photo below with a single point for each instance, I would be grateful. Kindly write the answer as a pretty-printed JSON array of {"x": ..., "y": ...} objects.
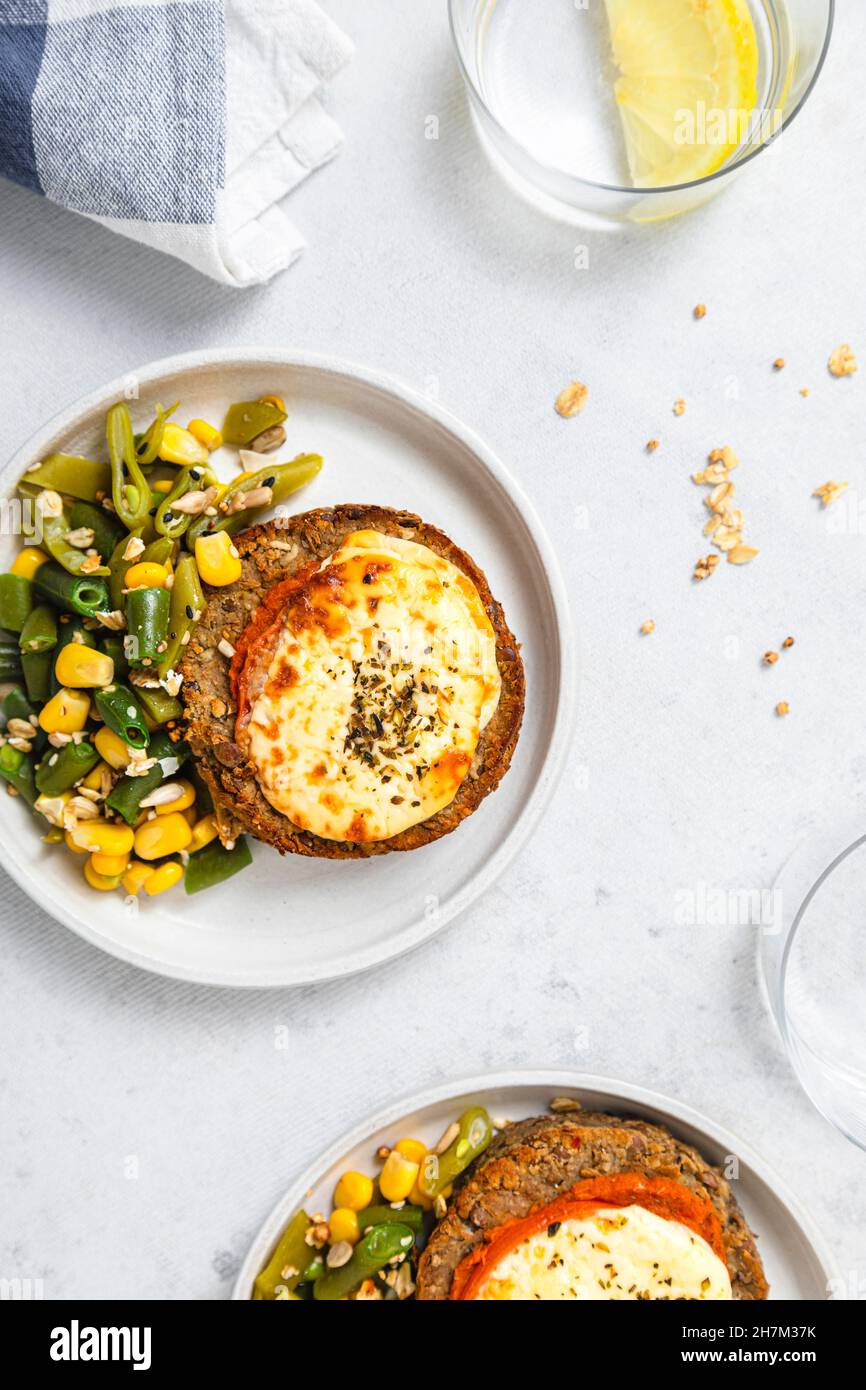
[
  {"x": 109, "y": 865},
  {"x": 182, "y": 803},
  {"x": 412, "y": 1149},
  {"x": 70, "y": 844},
  {"x": 203, "y": 832},
  {"x": 27, "y": 561},
  {"x": 162, "y": 485},
  {"x": 179, "y": 446},
  {"x": 93, "y": 780},
  {"x": 206, "y": 434},
  {"x": 398, "y": 1177},
  {"x": 134, "y": 878},
  {"x": 113, "y": 749},
  {"x": 103, "y": 885},
  {"x": 354, "y": 1191},
  {"x": 165, "y": 835},
  {"x": 103, "y": 837},
  {"x": 66, "y": 712},
  {"x": 343, "y": 1225},
  {"x": 420, "y": 1199},
  {"x": 217, "y": 559},
  {"x": 276, "y": 401},
  {"x": 82, "y": 668},
  {"x": 166, "y": 876},
  {"x": 146, "y": 575}
]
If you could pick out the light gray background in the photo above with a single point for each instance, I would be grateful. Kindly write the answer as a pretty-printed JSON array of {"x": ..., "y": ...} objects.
[{"x": 421, "y": 263}]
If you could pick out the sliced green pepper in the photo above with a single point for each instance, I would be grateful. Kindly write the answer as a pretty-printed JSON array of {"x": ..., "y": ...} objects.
[
  {"x": 148, "y": 445},
  {"x": 292, "y": 1254},
  {"x": 117, "y": 567},
  {"x": 17, "y": 705},
  {"x": 16, "y": 601},
  {"x": 129, "y": 489},
  {"x": 439, "y": 1171},
  {"x": 194, "y": 479},
  {"x": 283, "y": 479},
  {"x": 214, "y": 864},
  {"x": 246, "y": 420},
  {"x": 39, "y": 633},
  {"x": 73, "y": 476},
  {"x": 51, "y": 533},
  {"x": 373, "y": 1251}
]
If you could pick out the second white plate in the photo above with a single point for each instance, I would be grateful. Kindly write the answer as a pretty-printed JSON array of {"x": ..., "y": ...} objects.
[
  {"x": 293, "y": 921},
  {"x": 796, "y": 1263}
]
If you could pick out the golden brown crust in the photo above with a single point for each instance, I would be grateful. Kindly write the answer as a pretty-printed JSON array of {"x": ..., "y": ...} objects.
[
  {"x": 271, "y": 553},
  {"x": 534, "y": 1161}
]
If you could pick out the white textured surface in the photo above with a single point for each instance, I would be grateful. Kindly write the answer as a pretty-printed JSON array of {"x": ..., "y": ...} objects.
[{"x": 421, "y": 263}]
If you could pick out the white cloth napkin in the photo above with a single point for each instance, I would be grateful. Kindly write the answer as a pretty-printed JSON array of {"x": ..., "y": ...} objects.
[{"x": 179, "y": 123}]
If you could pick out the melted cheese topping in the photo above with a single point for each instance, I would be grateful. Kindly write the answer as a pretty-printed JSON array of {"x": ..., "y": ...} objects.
[
  {"x": 382, "y": 679},
  {"x": 622, "y": 1253}
]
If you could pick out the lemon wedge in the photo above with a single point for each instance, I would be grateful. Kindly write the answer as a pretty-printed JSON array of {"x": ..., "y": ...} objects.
[{"x": 687, "y": 85}]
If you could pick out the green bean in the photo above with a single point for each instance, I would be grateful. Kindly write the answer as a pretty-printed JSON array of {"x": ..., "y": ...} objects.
[
  {"x": 10, "y": 659},
  {"x": 117, "y": 567},
  {"x": 127, "y": 794},
  {"x": 63, "y": 767},
  {"x": 129, "y": 490},
  {"x": 214, "y": 864},
  {"x": 17, "y": 705},
  {"x": 39, "y": 633},
  {"x": 147, "y": 623},
  {"x": 107, "y": 532},
  {"x": 73, "y": 476},
  {"x": 69, "y": 631},
  {"x": 158, "y": 704},
  {"x": 246, "y": 420},
  {"x": 373, "y": 1251},
  {"x": 16, "y": 601},
  {"x": 291, "y": 1253},
  {"x": 16, "y": 768},
  {"x": 112, "y": 645},
  {"x": 187, "y": 606},
  {"x": 283, "y": 479},
  {"x": 122, "y": 714},
  {"x": 51, "y": 533},
  {"x": 439, "y": 1171},
  {"x": 84, "y": 594},
  {"x": 413, "y": 1217},
  {"x": 37, "y": 668}
]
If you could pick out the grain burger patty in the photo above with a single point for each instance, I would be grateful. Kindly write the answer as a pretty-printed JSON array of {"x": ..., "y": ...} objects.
[
  {"x": 590, "y": 1205},
  {"x": 253, "y": 720}
]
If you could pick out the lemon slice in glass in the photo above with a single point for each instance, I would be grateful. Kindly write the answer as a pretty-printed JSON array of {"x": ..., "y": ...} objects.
[{"x": 687, "y": 86}]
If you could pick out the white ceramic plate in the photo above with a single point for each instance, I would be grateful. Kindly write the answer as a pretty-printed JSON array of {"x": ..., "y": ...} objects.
[
  {"x": 292, "y": 921},
  {"x": 796, "y": 1263}
]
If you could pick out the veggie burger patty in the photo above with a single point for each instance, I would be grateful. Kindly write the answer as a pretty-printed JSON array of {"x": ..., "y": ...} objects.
[
  {"x": 589, "y": 1206},
  {"x": 356, "y": 691}
]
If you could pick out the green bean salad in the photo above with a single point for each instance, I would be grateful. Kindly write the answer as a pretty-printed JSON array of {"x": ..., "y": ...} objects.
[
  {"x": 367, "y": 1249},
  {"x": 95, "y": 614}
]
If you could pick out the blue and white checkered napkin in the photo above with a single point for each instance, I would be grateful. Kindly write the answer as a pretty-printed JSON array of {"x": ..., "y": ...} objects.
[{"x": 180, "y": 123}]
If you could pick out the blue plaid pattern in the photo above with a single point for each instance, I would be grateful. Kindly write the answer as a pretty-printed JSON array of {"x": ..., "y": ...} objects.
[{"x": 116, "y": 110}]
